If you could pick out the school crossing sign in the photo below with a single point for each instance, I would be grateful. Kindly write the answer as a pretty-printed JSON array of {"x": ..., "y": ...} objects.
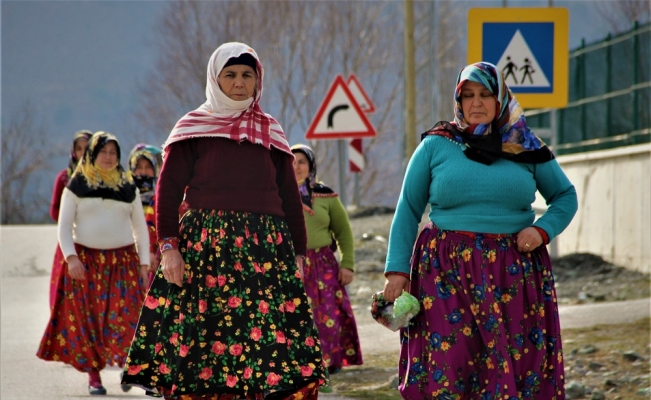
[{"x": 529, "y": 46}]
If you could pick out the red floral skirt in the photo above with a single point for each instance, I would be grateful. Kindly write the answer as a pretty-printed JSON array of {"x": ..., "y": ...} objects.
[
  {"x": 93, "y": 320},
  {"x": 57, "y": 267}
]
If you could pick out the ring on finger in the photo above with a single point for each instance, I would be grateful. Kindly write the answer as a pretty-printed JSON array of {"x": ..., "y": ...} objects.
[{"x": 527, "y": 245}]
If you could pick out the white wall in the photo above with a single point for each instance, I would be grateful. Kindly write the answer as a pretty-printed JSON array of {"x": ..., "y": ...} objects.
[{"x": 614, "y": 215}]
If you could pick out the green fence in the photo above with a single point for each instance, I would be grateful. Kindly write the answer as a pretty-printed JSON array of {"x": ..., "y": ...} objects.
[{"x": 609, "y": 101}]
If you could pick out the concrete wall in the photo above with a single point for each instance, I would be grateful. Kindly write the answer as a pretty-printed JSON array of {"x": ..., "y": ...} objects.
[{"x": 614, "y": 215}]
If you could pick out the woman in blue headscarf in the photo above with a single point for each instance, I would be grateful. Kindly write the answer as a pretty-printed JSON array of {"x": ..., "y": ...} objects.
[{"x": 489, "y": 323}]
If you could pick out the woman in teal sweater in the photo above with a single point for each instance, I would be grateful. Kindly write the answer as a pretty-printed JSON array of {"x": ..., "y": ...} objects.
[
  {"x": 325, "y": 278},
  {"x": 488, "y": 326}
]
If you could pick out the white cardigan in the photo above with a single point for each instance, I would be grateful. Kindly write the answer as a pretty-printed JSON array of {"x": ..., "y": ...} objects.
[{"x": 102, "y": 224}]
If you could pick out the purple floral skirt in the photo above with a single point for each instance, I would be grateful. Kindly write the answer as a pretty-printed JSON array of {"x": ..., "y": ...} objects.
[
  {"x": 333, "y": 313},
  {"x": 488, "y": 326}
]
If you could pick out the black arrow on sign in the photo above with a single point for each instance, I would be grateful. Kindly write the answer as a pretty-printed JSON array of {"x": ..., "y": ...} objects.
[{"x": 332, "y": 112}]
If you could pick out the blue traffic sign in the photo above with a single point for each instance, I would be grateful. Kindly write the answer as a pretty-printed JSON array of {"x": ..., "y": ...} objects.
[
  {"x": 521, "y": 54},
  {"x": 529, "y": 46}
]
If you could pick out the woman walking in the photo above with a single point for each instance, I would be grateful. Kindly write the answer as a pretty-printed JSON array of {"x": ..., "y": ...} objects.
[
  {"x": 100, "y": 290},
  {"x": 488, "y": 326},
  {"x": 325, "y": 279},
  {"x": 79, "y": 144},
  {"x": 226, "y": 316}
]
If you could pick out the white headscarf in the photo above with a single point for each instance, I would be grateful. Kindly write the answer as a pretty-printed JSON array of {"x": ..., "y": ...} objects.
[{"x": 221, "y": 116}]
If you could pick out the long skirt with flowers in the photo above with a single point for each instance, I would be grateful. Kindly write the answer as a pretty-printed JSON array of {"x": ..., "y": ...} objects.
[
  {"x": 57, "y": 267},
  {"x": 239, "y": 327},
  {"x": 333, "y": 313},
  {"x": 93, "y": 320},
  {"x": 488, "y": 327}
]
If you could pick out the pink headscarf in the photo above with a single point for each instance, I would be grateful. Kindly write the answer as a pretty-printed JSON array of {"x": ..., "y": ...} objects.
[{"x": 221, "y": 116}]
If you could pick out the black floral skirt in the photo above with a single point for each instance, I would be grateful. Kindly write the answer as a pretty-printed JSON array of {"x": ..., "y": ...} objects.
[{"x": 241, "y": 324}]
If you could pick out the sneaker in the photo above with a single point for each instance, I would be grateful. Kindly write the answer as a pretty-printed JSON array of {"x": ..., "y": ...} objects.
[
  {"x": 95, "y": 387},
  {"x": 333, "y": 369},
  {"x": 96, "y": 391},
  {"x": 125, "y": 387}
]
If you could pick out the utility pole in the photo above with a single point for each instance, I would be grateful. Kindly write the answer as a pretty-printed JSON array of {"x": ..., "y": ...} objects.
[{"x": 410, "y": 82}]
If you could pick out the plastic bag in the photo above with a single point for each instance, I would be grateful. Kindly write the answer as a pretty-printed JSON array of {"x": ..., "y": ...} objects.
[{"x": 394, "y": 315}]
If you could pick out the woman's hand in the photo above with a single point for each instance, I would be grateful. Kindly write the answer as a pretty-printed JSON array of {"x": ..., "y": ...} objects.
[
  {"x": 76, "y": 268},
  {"x": 144, "y": 274},
  {"x": 345, "y": 276},
  {"x": 173, "y": 266},
  {"x": 528, "y": 239},
  {"x": 394, "y": 286}
]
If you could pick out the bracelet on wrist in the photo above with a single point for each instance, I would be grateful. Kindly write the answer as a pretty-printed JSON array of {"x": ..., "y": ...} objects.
[{"x": 168, "y": 243}]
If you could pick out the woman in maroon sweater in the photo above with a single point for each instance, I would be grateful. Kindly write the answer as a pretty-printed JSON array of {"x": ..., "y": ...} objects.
[
  {"x": 227, "y": 315},
  {"x": 79, "y": 144}
]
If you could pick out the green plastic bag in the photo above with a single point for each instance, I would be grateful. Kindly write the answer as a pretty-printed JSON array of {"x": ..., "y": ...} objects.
[{"x": 394, "y": 315}]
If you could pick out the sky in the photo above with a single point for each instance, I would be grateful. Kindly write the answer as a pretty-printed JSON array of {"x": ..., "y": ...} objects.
[{"x": 80, "y": 62}]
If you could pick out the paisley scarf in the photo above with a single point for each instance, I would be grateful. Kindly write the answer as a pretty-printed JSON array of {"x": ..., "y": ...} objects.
[{"x": 507, "y": 136}]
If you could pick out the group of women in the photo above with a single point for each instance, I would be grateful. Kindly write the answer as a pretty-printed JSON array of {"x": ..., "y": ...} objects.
[{"x": 242, "y": 297}]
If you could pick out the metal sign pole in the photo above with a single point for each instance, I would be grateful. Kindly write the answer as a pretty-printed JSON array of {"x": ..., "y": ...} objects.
[{"x": 342, "y": 170}]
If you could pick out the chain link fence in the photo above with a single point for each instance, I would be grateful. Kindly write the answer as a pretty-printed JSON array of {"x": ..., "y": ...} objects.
[{"x": 609, "y": 95}]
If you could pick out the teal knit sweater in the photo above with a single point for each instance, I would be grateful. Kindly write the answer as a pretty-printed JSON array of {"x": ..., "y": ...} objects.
[{"x": 469, "y": 196}]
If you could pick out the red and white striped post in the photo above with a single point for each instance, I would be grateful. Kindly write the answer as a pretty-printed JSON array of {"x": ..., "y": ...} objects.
[
  {"x": 356, "y": 164},
  {"x": 355, "y": 155}
]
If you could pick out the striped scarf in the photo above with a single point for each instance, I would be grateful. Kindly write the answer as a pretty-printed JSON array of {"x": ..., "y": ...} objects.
[{"x": 221, "y": 116}]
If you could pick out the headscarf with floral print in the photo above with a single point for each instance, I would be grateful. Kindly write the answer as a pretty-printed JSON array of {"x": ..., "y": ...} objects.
[
  {"x": 91, "y": 180},
  {"x": 507, "y": 136}
]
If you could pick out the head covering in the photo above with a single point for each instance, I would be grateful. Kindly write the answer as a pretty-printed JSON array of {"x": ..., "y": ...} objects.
[
  {"x": 309, "y": 186},
  {"x": 244, "y": 59},
  {"x": 221, "y": 116},
  {"x": 90, "y": 180},
  {"x": 72, "y": 161},
  {"x": 507, "y": 136},
  {"x": 146, "y": 184}
]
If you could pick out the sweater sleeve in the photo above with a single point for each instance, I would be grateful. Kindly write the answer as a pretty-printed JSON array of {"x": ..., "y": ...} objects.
[
  {"x": 560, "y": 195},
  {"x": 59, "y": 184},
  {"x": 139, "y": 229},
  {"x": 409, "y": 211},
  {"x": 292, "y": 206},
  {"x": 174, "y": 177},
  {"x": 66, "y": 220},
  {"x": 340, "y": 226}
]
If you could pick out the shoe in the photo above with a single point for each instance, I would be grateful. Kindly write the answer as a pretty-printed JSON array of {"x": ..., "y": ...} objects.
[
  {"x": 95, "y": 387},
  {"x": 125, "y": 387},
  {"x": 96, "y": 391},
  {"x": 333, "y": 369}
]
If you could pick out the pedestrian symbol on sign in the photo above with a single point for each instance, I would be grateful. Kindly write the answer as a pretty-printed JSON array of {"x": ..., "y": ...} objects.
[{"x": 519, "y": 65}]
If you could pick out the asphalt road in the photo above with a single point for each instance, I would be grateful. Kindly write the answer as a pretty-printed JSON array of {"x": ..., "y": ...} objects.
[{"x": 26, "y": 258}]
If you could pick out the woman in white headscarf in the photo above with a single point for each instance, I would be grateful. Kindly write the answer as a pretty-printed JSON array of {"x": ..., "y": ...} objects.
[{"x": 227, "y": 316}]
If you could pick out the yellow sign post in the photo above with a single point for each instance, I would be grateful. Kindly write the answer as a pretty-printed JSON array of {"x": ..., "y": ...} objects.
[{"x": 529, "y": 46}]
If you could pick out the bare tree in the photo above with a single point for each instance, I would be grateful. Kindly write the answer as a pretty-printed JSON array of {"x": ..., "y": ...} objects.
[
  {"x": 26, "y": 154},
  {"x": 303, "y": 45},
  {"x": 620, "y": 14}
]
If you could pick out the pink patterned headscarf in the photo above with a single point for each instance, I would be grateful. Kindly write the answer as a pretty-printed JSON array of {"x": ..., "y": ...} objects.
[{"x": 221, "y": 116}]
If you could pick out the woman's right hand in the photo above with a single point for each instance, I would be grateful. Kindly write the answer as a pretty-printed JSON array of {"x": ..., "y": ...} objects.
[
  {"x": 394, "y": 286},
  {"x": 76, "y": 268},
  {"x": 173, "y": 266}
]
